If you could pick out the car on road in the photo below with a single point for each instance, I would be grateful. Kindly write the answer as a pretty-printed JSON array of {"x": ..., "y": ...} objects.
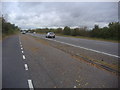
[
  {"x": 34, "y": 32},
  {"x": 23, "y": 32},
  {"x": 50, "y": 35}
]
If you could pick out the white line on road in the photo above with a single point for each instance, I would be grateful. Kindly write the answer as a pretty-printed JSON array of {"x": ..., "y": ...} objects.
[
  {"x": 22, "y": 51},
  {"x": 23, "y": 56},
  {"x": 22, "y": 48},
  {"x": 85, "y": 48},
  {"x": 30, "y": 84},
  {"x": 26, "y": 67},
  {"x": 74, "y": 86}
]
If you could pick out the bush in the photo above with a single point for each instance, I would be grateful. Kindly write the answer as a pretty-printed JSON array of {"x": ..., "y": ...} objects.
[{"x": 8, "y": 28}]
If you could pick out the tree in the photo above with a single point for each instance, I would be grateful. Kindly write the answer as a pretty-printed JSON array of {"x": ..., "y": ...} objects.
[
  {"x": 8, "y": 28},
  {"x": 75, "y": 32},
  {"x": 59, "y": 30},
  {"x": 110, "y": 32},
  {"x": 95, "y": 31},
  {"x": 67, "y": 30}
]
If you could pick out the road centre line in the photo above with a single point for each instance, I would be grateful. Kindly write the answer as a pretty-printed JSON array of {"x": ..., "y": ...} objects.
[
  {"x": 85, "y": 48},
  {"x": 20, "y": 43},
  {"x": 30, "y": 84},
  {"x": 74, "y": 86},
  {"x": 23, "y": 56},
  {"x": 26, "y": 67},
  {"x": 22, "y": 51},
  {"x": 21, "y": 46}
]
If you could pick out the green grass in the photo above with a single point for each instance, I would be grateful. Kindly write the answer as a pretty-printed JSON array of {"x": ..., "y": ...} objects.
[{"x": 4, "y": 35}]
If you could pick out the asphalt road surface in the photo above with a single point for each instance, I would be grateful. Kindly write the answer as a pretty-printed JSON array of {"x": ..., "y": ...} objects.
[
  {"x": 100, "y": 46},
  {"x": 13, "y": 72},
  {"x": 33, "y": 63}
]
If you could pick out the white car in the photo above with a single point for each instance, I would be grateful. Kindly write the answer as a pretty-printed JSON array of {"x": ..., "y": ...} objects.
[
  {"x": 23, "y": 32},
  {"x": 50, "y": 35},
  {"x": 34, "y": 32}
]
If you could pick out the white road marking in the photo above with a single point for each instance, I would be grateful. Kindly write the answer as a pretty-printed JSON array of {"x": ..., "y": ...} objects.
[
  {"x": 84, "y": 48},
  {"x": 22, "y": 48},
  {"x": 30, "y": 84},
  {"x": 75, "y": 87},
  {"x": 23, "y": 56},
  {"x": 26, "y": 67},
  {"x": 22, "y": 51}
]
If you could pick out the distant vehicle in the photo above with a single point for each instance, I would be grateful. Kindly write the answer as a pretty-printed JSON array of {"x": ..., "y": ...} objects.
[
  {"x": 34, "y": 32},
  {"x": 50, "y": 35},
  {"x": 23, "y": 32}
]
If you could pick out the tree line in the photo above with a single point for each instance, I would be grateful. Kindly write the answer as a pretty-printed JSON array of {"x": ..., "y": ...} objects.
[
  {"x": 110, "y": 32},
  {"x": 8, "y": 28}
]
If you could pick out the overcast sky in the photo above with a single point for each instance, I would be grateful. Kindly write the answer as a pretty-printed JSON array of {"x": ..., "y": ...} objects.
[{"x": 59, "y": 14}]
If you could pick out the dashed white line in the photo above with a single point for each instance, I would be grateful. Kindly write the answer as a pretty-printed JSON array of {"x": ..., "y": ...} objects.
[
  {"x": 23, "y": 56},
  {"x": 30, "y": 84},
  {"x": 26, "y": 67},
  {"x": 20, "y": 42},
  {"x": 22, "y": 52},
  {"x": 75, "y": 87},
  {"x": 21, "y": 46}
]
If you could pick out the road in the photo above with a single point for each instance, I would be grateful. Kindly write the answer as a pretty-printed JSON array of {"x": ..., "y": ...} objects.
[
  {"x": 13, "y": 73},
  {"x": 101, "y": 46},
  {"x": 105, "y": 53},
  {"x": 28, "y": 58}
]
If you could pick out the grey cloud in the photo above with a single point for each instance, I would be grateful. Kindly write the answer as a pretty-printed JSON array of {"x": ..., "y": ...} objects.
[{"x": 54, "y": 14}]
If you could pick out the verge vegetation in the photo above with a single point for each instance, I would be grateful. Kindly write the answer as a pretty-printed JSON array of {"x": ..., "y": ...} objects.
[
  {"x": 111, "y": 32},
  {"x": 8, "y": 28}
]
